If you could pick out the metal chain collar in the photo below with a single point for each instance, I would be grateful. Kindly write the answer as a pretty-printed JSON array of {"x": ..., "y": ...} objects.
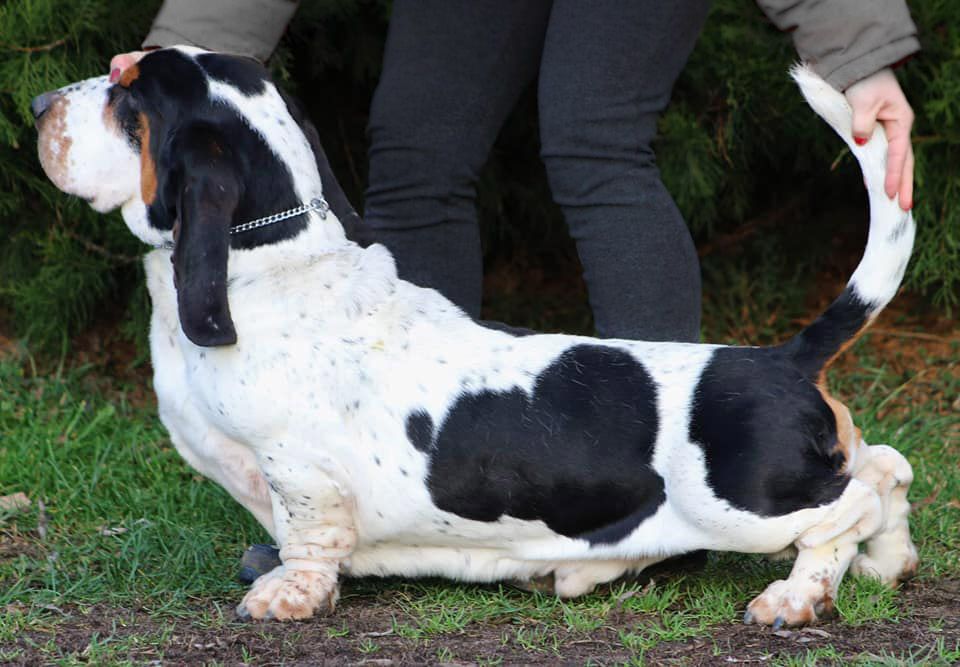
[{"x": 318, "y": 204}]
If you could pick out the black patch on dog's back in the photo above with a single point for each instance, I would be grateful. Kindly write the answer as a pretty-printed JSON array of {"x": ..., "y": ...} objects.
[
  {"x": 766, "y": 432},
  {"x": 575, "y": 453}
]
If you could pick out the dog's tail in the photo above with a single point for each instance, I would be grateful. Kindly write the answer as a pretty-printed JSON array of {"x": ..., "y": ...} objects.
[{"x": 889, "y": 243}]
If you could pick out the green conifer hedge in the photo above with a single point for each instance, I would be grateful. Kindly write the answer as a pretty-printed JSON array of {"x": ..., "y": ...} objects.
[{"x": 736, "y": 142}]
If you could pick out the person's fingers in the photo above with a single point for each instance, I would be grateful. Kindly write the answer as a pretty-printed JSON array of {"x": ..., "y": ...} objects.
[
  {"x": 879, "y": 98},
  {"x": 122, "y": 61},
  {"x": 906, "y": 183},
  {"x": 898, "y": 147}
]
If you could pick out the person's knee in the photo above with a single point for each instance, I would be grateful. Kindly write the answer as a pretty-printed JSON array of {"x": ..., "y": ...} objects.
[
  {"x": 414, "y": 170},
  {"x": 425, "y": 144},
  {"x": 596, "y": 163}
]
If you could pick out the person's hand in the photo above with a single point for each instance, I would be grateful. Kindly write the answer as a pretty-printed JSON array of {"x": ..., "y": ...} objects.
[
  {"x": 878, "y": 98},
  {"x": 122, "y": 61}
]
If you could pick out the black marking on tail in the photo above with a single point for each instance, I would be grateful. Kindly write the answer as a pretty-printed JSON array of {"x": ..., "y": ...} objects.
[
  {"x": 901, "y": 228},
  {"x": 813, "y": 347}
]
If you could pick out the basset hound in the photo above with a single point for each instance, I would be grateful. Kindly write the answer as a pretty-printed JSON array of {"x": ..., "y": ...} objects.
[{"x": 374, "y": 429}]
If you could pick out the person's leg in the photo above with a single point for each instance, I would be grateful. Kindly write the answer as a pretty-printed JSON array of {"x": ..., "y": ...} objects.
[
  {"x": 452, "y": 71},
  {"x": 606, "y": 75}
]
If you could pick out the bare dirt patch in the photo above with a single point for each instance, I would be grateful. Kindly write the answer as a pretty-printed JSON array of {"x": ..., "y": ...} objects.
[{"x": 362, "y": 632}]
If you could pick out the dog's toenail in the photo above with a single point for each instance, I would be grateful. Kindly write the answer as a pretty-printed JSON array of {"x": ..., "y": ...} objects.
[
  {"x": 748, "y": 618},
  {"x": 242, "y": 613},
  {"x": 778, "y": 623}
]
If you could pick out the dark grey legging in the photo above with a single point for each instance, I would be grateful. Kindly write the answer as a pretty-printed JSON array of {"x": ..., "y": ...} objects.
[{"x": 452, "y": 71}]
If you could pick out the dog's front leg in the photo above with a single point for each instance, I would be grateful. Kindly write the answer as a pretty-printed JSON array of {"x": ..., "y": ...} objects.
[{"x": 316, "y": 533}]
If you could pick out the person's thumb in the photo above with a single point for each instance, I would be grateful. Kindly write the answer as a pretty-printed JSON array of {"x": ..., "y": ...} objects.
[{"x": 864, "y": 122}]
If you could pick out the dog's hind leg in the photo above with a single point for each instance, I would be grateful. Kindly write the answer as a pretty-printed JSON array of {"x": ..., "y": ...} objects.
[
  {"x": 890, "y": 554},
  {"x": 824, "y": 554},
  {"x": 581, "y": 577}
]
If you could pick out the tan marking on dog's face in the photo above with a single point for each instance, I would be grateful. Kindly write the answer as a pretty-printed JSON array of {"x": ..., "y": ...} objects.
[
  {"x": 110, "y": 118},
  {"x": 148, "y": 166},
  {"x": 83, "y": 149}
]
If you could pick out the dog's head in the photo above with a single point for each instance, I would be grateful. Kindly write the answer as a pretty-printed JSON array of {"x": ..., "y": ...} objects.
[{"x": 188, "y": 144}]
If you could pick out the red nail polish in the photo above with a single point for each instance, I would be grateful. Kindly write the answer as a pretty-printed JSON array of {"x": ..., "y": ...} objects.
[
  {"x": 859, "y": 141},
  {"x": 114, "y": 75}
]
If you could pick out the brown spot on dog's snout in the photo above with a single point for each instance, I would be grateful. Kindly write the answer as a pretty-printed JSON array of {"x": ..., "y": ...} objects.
[
  {"x": 54, "y": 145},
  {"x": 148, "y": 166}
]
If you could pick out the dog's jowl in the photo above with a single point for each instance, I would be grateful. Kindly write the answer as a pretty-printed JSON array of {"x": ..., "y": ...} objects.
[{"x": 373, "y": 428}]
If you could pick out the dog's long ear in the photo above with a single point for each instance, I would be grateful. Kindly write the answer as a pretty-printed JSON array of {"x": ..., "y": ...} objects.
[{"x": 206, "y": 186}]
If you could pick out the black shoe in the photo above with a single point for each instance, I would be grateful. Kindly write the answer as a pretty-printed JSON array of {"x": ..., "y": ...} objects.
[
  {"x": 692, "y": 561},
  {"x": 257, "y": 560}
]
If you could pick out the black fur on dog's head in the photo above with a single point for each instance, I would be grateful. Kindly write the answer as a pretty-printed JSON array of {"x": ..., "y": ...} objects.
[{"x": 189, "y": 144}]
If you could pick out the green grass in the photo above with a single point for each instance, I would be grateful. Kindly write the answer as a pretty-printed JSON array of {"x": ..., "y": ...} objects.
[
  {"x": 104, "y": 467},
  {"x": 127, "y": 523}
]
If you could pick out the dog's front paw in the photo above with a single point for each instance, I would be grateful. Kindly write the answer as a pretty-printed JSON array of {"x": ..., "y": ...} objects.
[
  {"x": 290, "y": 595},
  {"x": 782, "y": 604}
]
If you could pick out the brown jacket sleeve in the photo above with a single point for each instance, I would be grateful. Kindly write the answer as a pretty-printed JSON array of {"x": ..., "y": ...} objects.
[
  {"x": 846, "y": 40},
  {"x": 246, "y": 27}
]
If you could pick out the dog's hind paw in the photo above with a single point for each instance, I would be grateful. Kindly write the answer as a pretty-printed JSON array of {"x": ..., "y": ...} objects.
[
  {"x": 290, "y": 595},
  {"x": 892, "y": 570}
]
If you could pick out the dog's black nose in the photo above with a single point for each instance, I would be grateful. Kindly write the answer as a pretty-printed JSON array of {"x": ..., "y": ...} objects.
[{"x": 41, "y": 103}]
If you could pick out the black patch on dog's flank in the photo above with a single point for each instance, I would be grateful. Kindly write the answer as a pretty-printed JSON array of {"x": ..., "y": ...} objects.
[
  {"x": 575, "y": 453},
  {"x": 245, "y": 74},
  {"x": 824, "y": 337},
  {"x": 420, "y": 430},
  {"x": 766, "y": 432}
]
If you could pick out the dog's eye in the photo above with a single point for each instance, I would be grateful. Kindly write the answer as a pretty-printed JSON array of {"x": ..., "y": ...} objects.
[
  {"x": 126, "y": 112},
  {"x": 115, "y": 92}
]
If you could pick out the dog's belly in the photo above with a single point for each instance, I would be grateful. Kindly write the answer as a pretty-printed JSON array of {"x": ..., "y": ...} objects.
[
  {"x": 402, "y": 539},
  {"x": 466, "y": 563}
]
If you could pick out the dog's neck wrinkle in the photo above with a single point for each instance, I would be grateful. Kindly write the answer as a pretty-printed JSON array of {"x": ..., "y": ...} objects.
[{"x": 322, "y": 261}]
